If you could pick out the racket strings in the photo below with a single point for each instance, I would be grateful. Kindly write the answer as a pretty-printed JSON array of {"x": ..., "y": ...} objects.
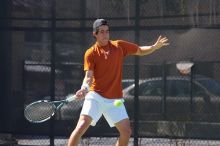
[{"x": 39, "y": 111}]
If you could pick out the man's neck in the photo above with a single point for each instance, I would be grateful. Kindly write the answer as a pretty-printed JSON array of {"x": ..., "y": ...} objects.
[{"x": 102, "y": 44}]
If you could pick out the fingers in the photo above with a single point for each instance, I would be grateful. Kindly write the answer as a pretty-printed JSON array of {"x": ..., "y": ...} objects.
[
  {"x": 166, "y": 44},
  {"x": 164, "y": 41},
  {"x": 81, "y": 93},
  {"x": 159, "y": 38}
]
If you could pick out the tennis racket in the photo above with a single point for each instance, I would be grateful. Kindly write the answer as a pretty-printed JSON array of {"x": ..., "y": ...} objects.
[{"x": 42, "y": 110}]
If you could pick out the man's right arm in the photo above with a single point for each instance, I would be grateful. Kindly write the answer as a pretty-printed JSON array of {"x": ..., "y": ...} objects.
[{"x": 87, "y": 81}]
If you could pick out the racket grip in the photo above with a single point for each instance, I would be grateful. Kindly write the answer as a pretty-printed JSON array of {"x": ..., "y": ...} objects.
[{"x": 70, "y": 97}]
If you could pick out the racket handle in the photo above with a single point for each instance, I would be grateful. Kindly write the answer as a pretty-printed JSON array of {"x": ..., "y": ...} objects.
[{"x": 70, "y": 97}]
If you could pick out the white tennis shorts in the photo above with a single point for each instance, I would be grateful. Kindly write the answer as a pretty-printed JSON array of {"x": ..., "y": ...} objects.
[{"x": 95, "y": 106}]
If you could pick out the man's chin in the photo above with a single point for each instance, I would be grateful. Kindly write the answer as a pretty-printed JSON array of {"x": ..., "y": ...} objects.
[{"x": 105, "y": 42}]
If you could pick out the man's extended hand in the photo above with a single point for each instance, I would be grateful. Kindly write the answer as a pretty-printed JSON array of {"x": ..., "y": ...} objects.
[{"x": 161, "y": 41}]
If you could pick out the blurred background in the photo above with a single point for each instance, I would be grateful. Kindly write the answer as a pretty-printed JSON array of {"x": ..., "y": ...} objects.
[{"x": 42, "y": 45}]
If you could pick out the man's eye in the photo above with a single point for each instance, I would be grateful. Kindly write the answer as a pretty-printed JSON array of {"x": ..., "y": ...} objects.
[{"x": 102, "y": 32}]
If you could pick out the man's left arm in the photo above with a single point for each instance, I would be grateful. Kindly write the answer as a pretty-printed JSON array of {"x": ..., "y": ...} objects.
[{"x": 145, "y": 50}]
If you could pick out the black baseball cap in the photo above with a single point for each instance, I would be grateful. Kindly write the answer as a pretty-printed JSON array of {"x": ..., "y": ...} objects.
[{"x": 99, "y": 22}]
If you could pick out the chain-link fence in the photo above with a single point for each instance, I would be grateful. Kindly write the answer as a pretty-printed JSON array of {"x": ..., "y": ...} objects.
[
  {"x": 170, "y": 105},
  {"x": 42, "y": 47}
]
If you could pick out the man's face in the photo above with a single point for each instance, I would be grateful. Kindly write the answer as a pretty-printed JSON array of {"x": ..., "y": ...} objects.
[{"x": 102, "y": 37}]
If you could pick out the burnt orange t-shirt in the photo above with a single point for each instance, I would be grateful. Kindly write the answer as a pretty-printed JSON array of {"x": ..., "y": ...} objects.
[{"x": 106, "y": 63}]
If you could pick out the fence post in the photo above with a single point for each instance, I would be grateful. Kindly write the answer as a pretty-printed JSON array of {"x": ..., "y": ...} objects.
[
  {"x": 137, "y": 60},
  {"x": 52, "y": 76},
  {"x": 164, "y": 90}
]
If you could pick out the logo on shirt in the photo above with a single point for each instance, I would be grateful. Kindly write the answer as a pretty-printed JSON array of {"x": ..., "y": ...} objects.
[{"x": 106, "y": 54}]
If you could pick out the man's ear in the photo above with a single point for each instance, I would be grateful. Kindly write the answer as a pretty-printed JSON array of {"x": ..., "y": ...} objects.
[{"x": 94, "y": 34}]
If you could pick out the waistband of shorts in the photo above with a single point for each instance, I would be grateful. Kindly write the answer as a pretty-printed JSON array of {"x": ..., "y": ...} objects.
[{"x": 94, "y": 95}]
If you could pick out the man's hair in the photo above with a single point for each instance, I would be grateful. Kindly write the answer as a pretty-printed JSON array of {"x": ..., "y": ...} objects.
[{"x": 97, "y": 23}]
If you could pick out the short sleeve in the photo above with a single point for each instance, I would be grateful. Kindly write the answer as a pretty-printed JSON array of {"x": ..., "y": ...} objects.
[
  {"x": 128, "y": 48},
  {"x": 88, "y": 60}
]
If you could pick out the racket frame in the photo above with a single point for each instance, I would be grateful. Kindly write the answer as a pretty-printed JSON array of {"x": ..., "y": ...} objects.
[{"x": 56, "y": 105}]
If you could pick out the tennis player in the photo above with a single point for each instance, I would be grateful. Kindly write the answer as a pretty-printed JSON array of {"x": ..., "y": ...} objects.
[{"x": 102, "y": 82}]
